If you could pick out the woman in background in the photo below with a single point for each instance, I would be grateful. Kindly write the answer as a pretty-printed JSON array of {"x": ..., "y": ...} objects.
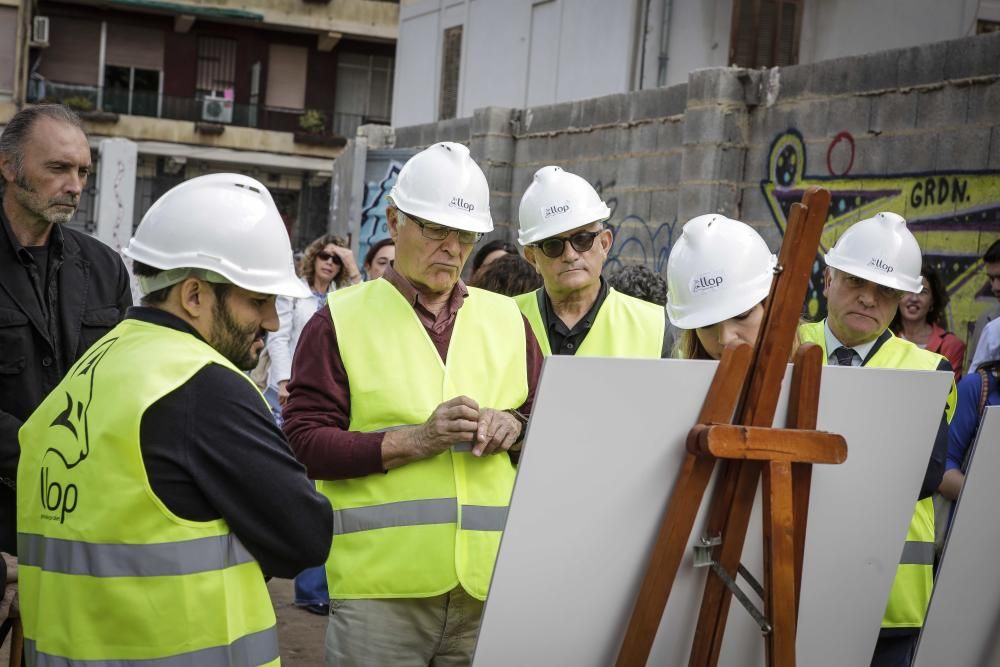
[
  {"x": 379, "y": 256},
  {"x": 921, "y": 320}
]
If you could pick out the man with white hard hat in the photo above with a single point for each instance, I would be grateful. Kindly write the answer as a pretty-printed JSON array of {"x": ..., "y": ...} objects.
[
  {"x": 166, "y": 489},
  {"x": 407, "y": 395},
  {"x": 576, "y": 312},
  {"x": 870, "y": 266}
]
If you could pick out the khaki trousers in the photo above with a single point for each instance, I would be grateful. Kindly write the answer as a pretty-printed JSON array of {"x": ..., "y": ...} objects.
[{"x": 438, "y": 631}]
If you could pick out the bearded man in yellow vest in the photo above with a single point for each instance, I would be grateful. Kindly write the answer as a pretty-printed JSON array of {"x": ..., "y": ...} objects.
[
  {"x": 576, "y": 312},
  {"x": 154, "y": 489},
  {"x": 407, "y": 395},
  {"x": 868, "y": 269}
]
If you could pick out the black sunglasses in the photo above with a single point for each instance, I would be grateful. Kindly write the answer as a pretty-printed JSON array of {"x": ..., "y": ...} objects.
[
  {"x": 324, "y": 256},
  {"x": 556, "y": 246}
]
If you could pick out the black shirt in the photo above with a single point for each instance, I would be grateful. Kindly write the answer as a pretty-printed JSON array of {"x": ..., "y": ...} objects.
[
  {"x": 563, "y": 340},
  {"x": 211, "y": 449}
]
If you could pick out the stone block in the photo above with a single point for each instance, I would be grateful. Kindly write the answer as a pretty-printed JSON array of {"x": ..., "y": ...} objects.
[
  {"x": 767, "y": 123},
  {"x": 793, "y": 81},
  {"x": 972, "y": 56},
  {"x": 942, "y": 107},
  {"x": 657, "y": 102},
  {"x": 848, "y": 114},
  {"x": 625, "y": 173},
  {"x": 669, "y": 135},
  {"x": 602, "y": 110},
  {"x": 491, "y": 120},
  {"x": 921, "y": 65},
  {"x": 875, "y": 71},
  {"x": 964, "y": 148},
  {"x": 984, "y": 103},
  {"x": 659, "y": 170},
  {"x": 832, "y": 77},
  {"x": 634, "y": 203},
  {"x": 732, "y": 163},
  {"x": 493, "y": 148},
  {"x": 499, "y": 177},
  {"x": 870, "y": 156},
  {"x": 716, "y": 84},
  {"x": 700, "y": 162},
  {"x": 810, "y": 118},
  {"x": 892, "y": 112},
  {"x": 706, "y": 125},
  {"x": 663, "y": 206},
  {"x": 521, "y": 180},
  {"x": 547, "y": 118},
  {"x": 642, "y": 138},
  {"x": 697, "y": 199},
  {"x": 756, "y": 163},
  {"x": 408, "y": 136},
  {"x": 910, "y": 153},
  {"x": 994, "y": 162}
]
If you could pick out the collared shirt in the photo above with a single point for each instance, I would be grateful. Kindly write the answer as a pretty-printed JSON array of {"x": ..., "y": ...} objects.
[
  {"x": 566, "y": 340},
  {"x": 42, "y": 276},
  {"x": 833, "y": 344},
  {"x": 318, "y": 412}
]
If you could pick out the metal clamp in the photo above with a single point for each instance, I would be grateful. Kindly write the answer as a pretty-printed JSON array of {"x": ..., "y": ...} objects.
[{"x": 703, "y": 557}]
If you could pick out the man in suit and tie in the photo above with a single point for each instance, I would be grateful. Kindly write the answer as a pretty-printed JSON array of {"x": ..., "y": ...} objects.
[{"x": 60, "y": 290}]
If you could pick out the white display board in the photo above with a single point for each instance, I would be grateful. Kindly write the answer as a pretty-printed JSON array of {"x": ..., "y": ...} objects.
[
  {"x": 963, "y": 621},
  {"x": 603, "y": 449}
]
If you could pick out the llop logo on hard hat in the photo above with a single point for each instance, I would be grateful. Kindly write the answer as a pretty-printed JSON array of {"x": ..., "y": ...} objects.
[
  {"x": 706, "y": 282},
  {"x": 555, "y": 209},
  {"x": 880, "y": 264},
  {"x": 460, "y": 203}
]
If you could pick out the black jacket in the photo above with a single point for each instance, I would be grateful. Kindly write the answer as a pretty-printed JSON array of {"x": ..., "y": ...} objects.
[{"x": 93, "y": 294}]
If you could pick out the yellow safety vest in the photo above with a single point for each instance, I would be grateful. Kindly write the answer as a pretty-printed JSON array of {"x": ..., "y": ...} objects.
[
  {"x": 423, "y": 528},
  {"x": 624, "y": 327},
  {"x": 107, "y": 572},
  {"x": 911, "y": 589}
]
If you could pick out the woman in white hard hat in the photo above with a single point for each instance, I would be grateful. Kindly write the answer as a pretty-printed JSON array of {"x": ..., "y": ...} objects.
[{"x": 718, "y": 275}]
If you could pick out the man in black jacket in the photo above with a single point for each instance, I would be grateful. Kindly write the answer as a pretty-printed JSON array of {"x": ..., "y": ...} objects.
[{"x": 60, "y": 290}]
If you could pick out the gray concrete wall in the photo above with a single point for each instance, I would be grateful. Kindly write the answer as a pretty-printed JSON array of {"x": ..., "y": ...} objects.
[{"x": 915, "y": 131}]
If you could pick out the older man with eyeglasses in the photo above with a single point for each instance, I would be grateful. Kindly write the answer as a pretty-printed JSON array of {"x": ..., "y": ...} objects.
[
  {"x": 407, "y": 395},
  {"x": 576, "y": 312}
]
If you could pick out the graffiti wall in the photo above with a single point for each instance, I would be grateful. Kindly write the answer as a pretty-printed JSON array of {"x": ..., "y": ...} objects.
[
  {"x": 955, "y": 215},
  {"x": 374, "y": 226}
]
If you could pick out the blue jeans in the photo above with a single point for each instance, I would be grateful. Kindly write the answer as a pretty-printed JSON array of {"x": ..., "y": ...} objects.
[{"x": 310, "y": 587}]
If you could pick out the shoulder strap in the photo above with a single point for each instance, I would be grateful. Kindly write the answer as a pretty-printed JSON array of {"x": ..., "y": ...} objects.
[{"x": 984, "y": 374}]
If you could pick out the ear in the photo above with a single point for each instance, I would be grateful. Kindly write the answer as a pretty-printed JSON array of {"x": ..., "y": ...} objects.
[
  {"x": 827, "y": 279},
  {"x": 7, "y": 168},
  {"x": 392, "y": 217},
  {"x": 529, "y": 254},
  {"x": 607, "y": 239},
  {"x": 193, "y": 296}
]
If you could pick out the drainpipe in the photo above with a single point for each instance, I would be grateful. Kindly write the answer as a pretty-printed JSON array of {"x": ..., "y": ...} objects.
[{"x": 661, "y": 74}]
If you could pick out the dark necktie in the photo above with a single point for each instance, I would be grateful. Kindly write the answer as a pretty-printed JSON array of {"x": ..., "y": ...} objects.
[{"x": 845, "y": 356}]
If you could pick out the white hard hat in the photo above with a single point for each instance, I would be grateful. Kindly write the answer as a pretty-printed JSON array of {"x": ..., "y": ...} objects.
[
  {"x": 556, "y": 202},
  {"x": 444, "y": 185},
  {"x": 719, "y": 268},
  {"x": 881, "y": 250},
  {"x": 225, "y": 224}
]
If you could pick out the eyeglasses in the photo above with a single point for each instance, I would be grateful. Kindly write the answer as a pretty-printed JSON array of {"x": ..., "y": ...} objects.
[
  {"x": 437, "y": 232},
  {"x": 854, "y": 282},
  {"x": 324, "y": 256},
  {"x": 555, "y": 246}
]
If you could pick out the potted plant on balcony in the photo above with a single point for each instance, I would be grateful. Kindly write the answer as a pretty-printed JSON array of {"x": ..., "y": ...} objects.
[
  {"x": 313, "y": 124},
  {"x": 84, "y": 106}
]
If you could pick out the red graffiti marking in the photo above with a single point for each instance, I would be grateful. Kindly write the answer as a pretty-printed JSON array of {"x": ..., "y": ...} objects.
[{"x": 845, "y": 137}]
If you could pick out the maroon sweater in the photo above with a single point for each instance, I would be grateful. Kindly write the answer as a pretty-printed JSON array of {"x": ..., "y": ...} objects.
[{"x": 318, "y": 410}]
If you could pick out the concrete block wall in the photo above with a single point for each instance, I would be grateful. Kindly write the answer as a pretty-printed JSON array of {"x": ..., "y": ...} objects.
[{"x": 915, "y": 131}]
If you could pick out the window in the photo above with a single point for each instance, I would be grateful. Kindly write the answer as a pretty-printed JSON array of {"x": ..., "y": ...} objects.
[
  {"x": 132, "y": 90},
  {"x": 216, "y": 66},
  {"x": 451, "y": 61},
  {"x": 364, "y": 91},
  {"x": 765, "y": 33},
  {"x": 983, "y": 27}
]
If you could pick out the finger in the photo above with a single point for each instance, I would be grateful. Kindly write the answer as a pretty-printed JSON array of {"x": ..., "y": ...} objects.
[
  {"x": 493, "y": 440},
  {"x": 457, "y": 412},
  {"x": 467, "y": 427},
  {"x": 487, "y": 425},
  {"x": 462, "y": 400},
  {"x": 508, "y": 440}
]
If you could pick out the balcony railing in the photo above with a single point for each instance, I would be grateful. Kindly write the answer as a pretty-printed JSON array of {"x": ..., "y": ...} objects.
[{"x": 197, "y": 109}]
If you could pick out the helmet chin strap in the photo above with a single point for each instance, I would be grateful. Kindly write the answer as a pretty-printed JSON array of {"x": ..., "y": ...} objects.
[{"x": 149, "y": 284}]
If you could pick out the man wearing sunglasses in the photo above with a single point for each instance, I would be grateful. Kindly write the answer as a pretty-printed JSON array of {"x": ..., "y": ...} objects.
[
  {"x": 405, "y": 403},
  {"x": 576, "y": 312},
  {"x": 868, "y": 269}
]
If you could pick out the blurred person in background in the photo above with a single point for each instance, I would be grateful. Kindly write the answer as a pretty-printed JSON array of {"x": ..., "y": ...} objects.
[
  {"x": 510, "y": 275},
  {"x": 641, "y": 282},
  {"x": 490, "y": 252},
  {"x": 379, "y": 256},
  {"x": 921, "y": 320}
]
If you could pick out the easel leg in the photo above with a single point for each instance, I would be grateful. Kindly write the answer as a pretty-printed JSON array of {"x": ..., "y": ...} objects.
[{"x": 779, "y": 564}]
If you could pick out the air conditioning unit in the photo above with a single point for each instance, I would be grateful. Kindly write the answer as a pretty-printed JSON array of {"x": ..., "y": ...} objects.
[
  {"x": 40, "y": 31},
  {"x": 217, "y": 109}
]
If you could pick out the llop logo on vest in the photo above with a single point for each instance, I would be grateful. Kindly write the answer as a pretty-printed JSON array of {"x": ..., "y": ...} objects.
[
  {"x": 461, "y": 204},
  {"x": 68, "y": 439},
  {"x": 707, "y": 282},
  {"x": 880, "y": 264}
]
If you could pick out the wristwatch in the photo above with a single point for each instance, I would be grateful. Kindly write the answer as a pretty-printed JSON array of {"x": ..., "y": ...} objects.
[{"x": 522, "y": 420}]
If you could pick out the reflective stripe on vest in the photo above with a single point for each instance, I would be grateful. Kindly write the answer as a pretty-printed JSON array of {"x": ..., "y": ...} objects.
[
  {"x": 624, "y": 327},
  {"x": 912, "y": 587},
  {"x": 259, "y": 648},
  {"x": 423, "y": 528},
  {"x": 108, "y": 575}
]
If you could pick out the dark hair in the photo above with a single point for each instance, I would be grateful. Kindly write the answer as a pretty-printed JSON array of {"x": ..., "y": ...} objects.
[
  {"x": 374, "y": 248},
  {"x": 992, "y": 254},
  {"x": 689, "y": 346},
  {"x": 17, "y": 130},
  {"x": 640, "y": 282},
  {"x": 939, "y": 300},
  {"x": 307, "y": 265},
  {"x": 491, "y": 247},
  {"x": 510, "y": 275},
  {"x": 160, "y": 296}
]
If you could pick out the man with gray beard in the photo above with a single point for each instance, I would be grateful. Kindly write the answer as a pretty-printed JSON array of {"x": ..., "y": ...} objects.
[{"x": 60, "y": 290}]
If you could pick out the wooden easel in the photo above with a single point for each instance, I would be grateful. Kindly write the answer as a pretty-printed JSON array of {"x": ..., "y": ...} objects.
[{"x": 735, "y": 424}]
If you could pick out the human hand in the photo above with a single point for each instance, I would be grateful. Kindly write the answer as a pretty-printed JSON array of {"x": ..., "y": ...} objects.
[
  {"x": 452, "y": 422},
  {"x": 496, "y": 432},
  {"x": 349, "y": 264},
  {"x": 282, "y": 393}
]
